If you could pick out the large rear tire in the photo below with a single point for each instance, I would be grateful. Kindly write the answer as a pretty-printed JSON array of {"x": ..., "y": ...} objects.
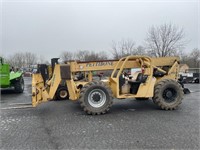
[
  {"x": 168, "y": 94},
  {"x": 19, "y": 85},
  {"x": 96, "y": 98}
]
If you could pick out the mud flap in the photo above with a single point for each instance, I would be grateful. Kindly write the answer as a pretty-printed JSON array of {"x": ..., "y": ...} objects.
[
  {"x": 39, "y": 92},
  {"x": 186, "y": 91}
]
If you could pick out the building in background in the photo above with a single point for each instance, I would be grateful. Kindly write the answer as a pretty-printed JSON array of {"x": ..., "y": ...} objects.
[{"x": 183, "y": 68}]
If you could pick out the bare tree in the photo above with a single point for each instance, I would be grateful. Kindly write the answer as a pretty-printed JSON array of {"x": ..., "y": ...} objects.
[
  {"x": 140, "y": 50},
  {"x": 195, "y": 55},
  {"x": 22, "y": 60},
  {"x": 16, "y": 60},
  {"x": 122, "y": 48},
  {"x": 165, "y": 40},
  {"x": 10, "y": 60},
  {"x": 81, "y": 55},
  {"x": 125, "y": 48},
  {"x": 102, "y": 55},
  {"x": 41, "y": 59},
  {"x": 30, "y": 59},
  {"x": 66, "y": 56},
  {"x": 85, "y": 55},
  {"x": 192, "y": 59}
]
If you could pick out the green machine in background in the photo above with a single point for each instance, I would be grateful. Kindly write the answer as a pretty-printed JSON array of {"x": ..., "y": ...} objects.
[{"x": 10, "y": 78}]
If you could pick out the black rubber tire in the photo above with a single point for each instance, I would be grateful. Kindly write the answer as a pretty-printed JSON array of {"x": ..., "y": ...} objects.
[
  {"x": 172, "y": 101},
  {"x": 196, "y": 80},
  {"x": 87, "y": 90},
  {"x": 62, "y": 93},
  {"x": 19, "y": 85}
]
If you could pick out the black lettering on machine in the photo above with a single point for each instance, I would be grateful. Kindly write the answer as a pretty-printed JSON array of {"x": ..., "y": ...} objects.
[{"x": 109, "y": 63}]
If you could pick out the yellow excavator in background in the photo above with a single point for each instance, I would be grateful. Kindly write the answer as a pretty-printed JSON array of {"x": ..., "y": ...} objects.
[{"x": 157, "y": 78}]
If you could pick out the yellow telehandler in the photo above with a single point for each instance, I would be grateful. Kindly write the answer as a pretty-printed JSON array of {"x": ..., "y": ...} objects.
[{"x": 156, "y": 78}]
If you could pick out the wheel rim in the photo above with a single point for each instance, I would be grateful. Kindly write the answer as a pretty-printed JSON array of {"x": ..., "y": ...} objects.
[
  {"x": 169, "y": 95},
  {"x": 97, "y": 98},
  {"x": 63, "y": 93}
]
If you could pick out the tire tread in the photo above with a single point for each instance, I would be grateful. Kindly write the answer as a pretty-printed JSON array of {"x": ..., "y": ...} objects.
[{"x": 82, "y": 96}]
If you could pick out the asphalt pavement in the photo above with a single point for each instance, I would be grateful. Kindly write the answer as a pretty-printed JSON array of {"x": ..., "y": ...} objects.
[{"x": 130, "y": 124}]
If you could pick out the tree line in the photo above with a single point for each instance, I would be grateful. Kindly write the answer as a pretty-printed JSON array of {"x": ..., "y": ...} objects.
[
  {"x": 161, "y": 41},
  {"x": 24, "y": 59}
]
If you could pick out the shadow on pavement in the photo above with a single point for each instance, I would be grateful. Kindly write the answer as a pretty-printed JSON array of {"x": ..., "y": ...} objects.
[{"x": 8, "y": 91}]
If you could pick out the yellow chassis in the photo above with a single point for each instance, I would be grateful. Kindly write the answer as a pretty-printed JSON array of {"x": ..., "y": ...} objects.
[{"x": 42, "y": 92}]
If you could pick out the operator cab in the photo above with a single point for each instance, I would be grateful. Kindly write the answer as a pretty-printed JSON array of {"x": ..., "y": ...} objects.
[
  {"x": 137, "y": 84},
  {"x": 141, "y": 78},
  {"x": 129, "y": 84}
]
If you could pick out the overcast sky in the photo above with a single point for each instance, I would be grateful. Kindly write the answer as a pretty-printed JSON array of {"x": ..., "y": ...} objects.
[{"x": 49, "y": 27}]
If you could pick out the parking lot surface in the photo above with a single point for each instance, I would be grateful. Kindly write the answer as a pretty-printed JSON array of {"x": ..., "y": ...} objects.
[{"x": 130, "y": 124}]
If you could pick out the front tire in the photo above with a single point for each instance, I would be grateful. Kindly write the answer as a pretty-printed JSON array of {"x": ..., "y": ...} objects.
[
  {"x": 168, "y": 94},
  {"x": 96, "y": 98},
  {"x": 19, "y": 85},
  {"x": 62, "y": 93}
]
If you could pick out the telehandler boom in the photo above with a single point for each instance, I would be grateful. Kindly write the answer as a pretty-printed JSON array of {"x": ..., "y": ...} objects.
[{"x": 157, "y": 79}]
